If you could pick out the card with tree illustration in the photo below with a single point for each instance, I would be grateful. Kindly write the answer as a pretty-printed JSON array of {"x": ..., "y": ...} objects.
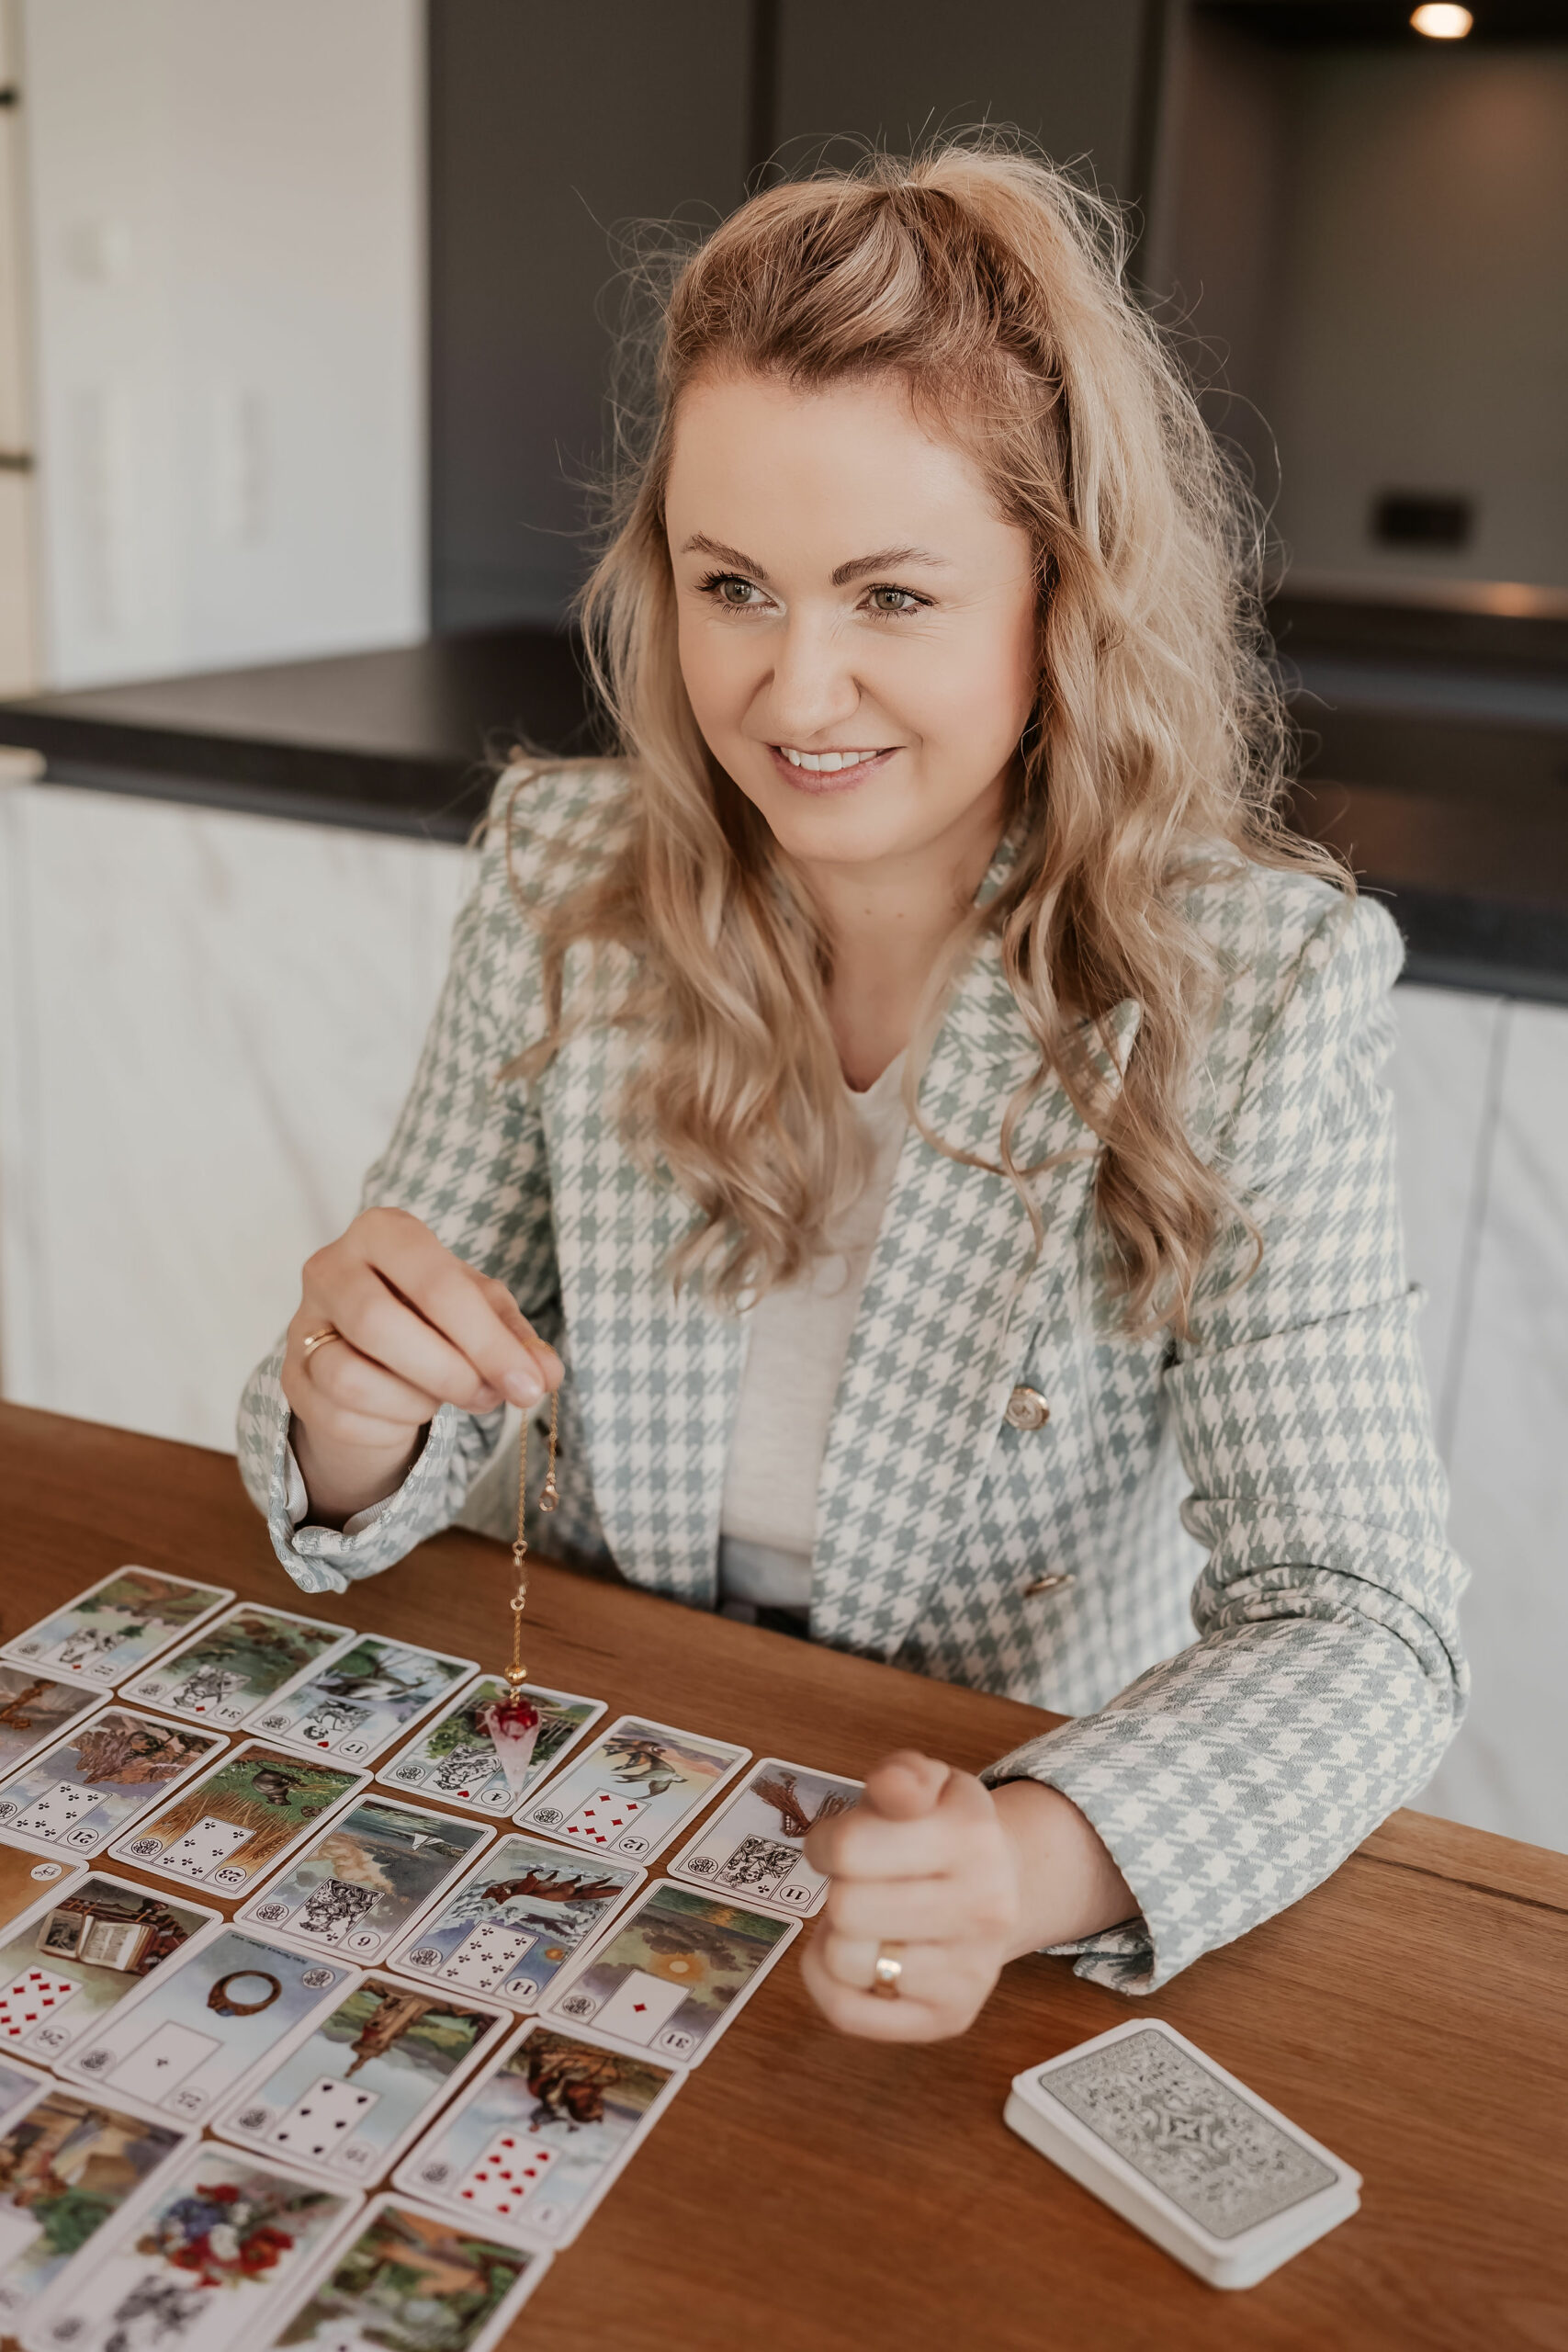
[{"x": 242, "y": 1818}]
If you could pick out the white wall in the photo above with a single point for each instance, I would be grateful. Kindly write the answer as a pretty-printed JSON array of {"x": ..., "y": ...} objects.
[{"x": 227, "y": 221}]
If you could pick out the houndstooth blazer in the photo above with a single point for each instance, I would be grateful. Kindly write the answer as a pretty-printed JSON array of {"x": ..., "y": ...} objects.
[{"x": 1270, "y": 1481}]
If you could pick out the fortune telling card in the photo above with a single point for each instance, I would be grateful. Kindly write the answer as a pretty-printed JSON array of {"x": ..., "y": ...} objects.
[
  {"x": 224, "y": 2239},
  {"x": 81, "y": 1952},
  {"x": 536, "y": 2139},
  {"x": 18, "y": 2086},
  {"x": 408, "y": 2278},
  {"x": 359, "y": 1701},
  {"x": 239, "y": 1819},
  {"x": 455, "y": 1758},
  {"x": 634, "y": 1789},
  {"x": 361, "y": 1880},
  {"x": 99, "y": 1779},
  {"x": 231, "y": 1667},
  {"x": 188, "y": 2040},
  {"x": 751, "y": 1847},
  {"x": 347, "y": 2095},
  {"x": 671, "y": 1975},
  {"x": 23, "y": 1877},
  {"x": 117, "y": 1626},
  {"x": 70, "y": 2165},
  {"x": 520, "y": 1914},
  {"x": 35, "y": 1712}
]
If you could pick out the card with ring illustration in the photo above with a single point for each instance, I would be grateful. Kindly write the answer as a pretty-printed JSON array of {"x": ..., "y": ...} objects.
[
  {"x": 539, "y": 2137},
  {"x": 70, "y": 2165},
  {"x": 237, "y": 1664},
  {"x": 350, "y": 2090},
  {"x": 117, "y": 1626},
  {"x": 36, "y": 1711},
  {"x": 520, "y": 1914},
  {"x": 409, "y": 2278},
  {"x": 632, "y": 1790},
  {"x": 363, "y": 1880},
  {"x": 79, "y": 1951},
  {"x": 223, "y": 2242},
  {"x": 358, "y": 1703},
  {"x": 455, "y": 1758},
  {"x": 103, "y": 1776},
  {"x": 190, "y": 2038},
  {"x": 674, "y": 1972},
  {"x": 243, "y": 1817},
  {"x": 752, "y": 1849}
]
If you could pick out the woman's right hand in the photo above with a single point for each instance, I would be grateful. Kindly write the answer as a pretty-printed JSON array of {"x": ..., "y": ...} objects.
[{"x": 419, "y": 1328}]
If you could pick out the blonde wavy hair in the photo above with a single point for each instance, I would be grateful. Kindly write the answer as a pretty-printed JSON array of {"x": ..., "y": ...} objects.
[{"x": 995, "y": 286}]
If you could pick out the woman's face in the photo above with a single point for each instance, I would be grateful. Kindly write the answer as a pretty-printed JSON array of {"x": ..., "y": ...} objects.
[{"x": 857, "y": 622}]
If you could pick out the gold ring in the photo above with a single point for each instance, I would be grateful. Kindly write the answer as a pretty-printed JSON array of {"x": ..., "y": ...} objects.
[
  {"x": 885, "y": 1972},
  {"x": 314, "y": 1339}
]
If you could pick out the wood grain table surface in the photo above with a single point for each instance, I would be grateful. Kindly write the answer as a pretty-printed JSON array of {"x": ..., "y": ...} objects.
[{"x": 812, "y": 2194}]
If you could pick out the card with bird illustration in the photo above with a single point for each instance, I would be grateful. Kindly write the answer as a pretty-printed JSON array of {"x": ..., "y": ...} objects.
[
  {"x": 366, "y": 1877},
  {"x": 752, "y": 1849}
]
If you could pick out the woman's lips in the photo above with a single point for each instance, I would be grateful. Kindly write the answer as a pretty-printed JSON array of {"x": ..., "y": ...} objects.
[{"x": 841, "y": 780}]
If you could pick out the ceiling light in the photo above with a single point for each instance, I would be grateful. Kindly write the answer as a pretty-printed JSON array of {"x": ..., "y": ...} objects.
[{"x": 1441, "y": 22}]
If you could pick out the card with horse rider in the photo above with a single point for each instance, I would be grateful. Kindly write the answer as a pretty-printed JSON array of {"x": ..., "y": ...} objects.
[
  {"x": 81, "y": 1951},
  {"x": 114, "y": 1766},
  {"x": 244, "y": 1815},
  {"x": 236, "y": 1664},
  {"x": 358, "y": 1703},
  {"x": 752, "y": 1846},
  {"x": 519, "y": 1915},
  {"x": 367, "y": 1876},
  {"x": 117, "y": 1626},
  {"x": 455, "y": 1758},
  {"x": 634, "y": 1789}
]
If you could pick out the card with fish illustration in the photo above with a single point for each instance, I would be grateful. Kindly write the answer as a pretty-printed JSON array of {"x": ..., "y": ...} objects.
[
  {"x": 539, "y": 2137},
  {"x": 633, "y": 1790},
  {"x": 117, "y": 1765},
  {"x": 409, "y": 2278},
  {"x": 223, "y": 2242},
  {"x": 117, "y": 1626},
  {"x": 191, "y": 2038},
  {"x": 672, "y": 1973},
  {"x": 70, "y": 2165},
  {"x": 349, "y": 2091},
  {"x": 78, "y": 1953},
  {"x": 35, "y": 1712},
  {"x": 243, "y": 1817},
  {"x": 521, "y": 1914},
  {"x": 358, "y": 1703},
  {"x": 361, "y": 1880},
  {"x": 24, "y": 1875},
  {"x": 455, "y": 1758},
  {"x": 237, "y": 1664},
  {"x": 751, "y": 1847}
]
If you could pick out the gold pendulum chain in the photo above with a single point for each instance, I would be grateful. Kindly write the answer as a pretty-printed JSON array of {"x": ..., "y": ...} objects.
[{"x": 550, "y": 1496}]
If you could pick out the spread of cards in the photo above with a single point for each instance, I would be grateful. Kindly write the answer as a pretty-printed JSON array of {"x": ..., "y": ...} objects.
[{"x": 446, "y": 2003}]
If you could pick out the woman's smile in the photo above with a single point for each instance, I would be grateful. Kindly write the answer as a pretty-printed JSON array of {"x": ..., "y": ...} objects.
[{"x": 829, "y": 771}]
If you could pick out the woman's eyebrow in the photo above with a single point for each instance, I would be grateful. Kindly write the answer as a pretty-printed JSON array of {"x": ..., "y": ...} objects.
[
  {"x": 700, "y": 544},
  {"x": 883, "y": 560}
]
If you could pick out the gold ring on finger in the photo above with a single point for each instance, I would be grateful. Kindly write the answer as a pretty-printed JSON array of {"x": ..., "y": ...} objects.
[
  {"x": 886, "y": 1971},
  {"x": 314, "y": 1339}
]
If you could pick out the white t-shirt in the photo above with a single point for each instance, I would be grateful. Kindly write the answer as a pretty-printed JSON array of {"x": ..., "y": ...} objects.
[{"x": 797, "y": 1339}]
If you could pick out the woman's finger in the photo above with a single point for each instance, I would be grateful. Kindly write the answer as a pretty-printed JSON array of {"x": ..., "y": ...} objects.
[
  {"x": 338, "y": 1375},
  {"x": 423, "y": 1273},
  {"x": 873, "y": 2018},
  {"x": 512, "y": 1314},
  {"x": 923, "y": 1910}
]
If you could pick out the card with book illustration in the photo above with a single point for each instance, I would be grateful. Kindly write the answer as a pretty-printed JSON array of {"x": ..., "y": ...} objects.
[
  {"x": 632, "y": 1789},
  {"x": 70, "y": 2165},
  {"x": 358, "y": 1703},
  {"x": 408, "y": 2278},
  {"x": 237, "y": 1664},
  {"x": 379, "y": 1865},
  {"x": 454, "y": 1759},
  {"x": 520, "y": 1914},
  {"x": 117, "y": 1765},
  {"x": 117, "y": 1626},
  {"x": 78, "y": 1953},
  {"x": 349, "y": 2090},
  {"x": 36, "y": 1711},
  {"x": 243, "y": 1817}
]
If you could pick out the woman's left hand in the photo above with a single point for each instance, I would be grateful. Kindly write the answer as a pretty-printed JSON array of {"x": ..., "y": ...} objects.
[{"x": 953, "y": 1879}]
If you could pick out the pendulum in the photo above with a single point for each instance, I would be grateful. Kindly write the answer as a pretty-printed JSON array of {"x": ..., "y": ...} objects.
[{"x": 514, "y": 1722}]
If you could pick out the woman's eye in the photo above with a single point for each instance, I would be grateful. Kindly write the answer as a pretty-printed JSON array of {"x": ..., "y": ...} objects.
[
  {"x": 729, "y": 589},
  {"x": 894, "y": 601}
]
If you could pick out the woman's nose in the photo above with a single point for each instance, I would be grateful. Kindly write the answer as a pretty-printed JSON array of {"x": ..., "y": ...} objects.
[{"x": 812, "y": 686}]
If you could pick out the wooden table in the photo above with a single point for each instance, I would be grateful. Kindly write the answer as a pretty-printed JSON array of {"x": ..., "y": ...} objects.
[{"x": 812, "y": 2194}]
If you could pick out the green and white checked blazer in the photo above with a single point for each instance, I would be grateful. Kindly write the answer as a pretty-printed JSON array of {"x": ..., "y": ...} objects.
[{"x": 1290, "y": 1435}]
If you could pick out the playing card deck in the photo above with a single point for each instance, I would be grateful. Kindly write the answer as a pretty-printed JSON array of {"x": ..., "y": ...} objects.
[
  {"x": 671, "y": 1975},
  {"x": 69, "y": 2166},
  {"x": 243, "y": 1817},
  {"x": 751, "y": 1847},
  {"x": 539, "y": 2137},
  {"x": 237, "y": 1664},
  {"x": 222, "y": 2242},
  {"x": 76, "y": 1955},
  {"x": 358, "y": 1703},
  {"x": 117, "y": 1626},
  {"x": 1183, "y": 2151},
  {"x": 35, "y": 1712},
  {"x": 518, "y": 1916},
  {"x": 408, "y": 2278},
  {"x": 103, "y": 1776},
  {"x": 192, "y": 2038},
  {"x": 23, "y": 1874},
  {"x": 633, "y": 1790},
  {"x": 455, "y": 1758},
  {"x": 349, "y": 2091},
  {"x": 358, "y": 1885}
]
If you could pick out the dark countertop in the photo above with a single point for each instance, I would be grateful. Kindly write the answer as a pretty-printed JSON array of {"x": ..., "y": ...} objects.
[{"x": 1436, "y": 758}]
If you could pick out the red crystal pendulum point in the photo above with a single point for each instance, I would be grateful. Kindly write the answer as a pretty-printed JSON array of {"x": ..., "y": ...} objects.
[{"x": 514, "y": 1722}]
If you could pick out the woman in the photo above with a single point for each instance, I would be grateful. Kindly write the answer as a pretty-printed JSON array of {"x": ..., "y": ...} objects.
[{"x": 924, "y": 1109}]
